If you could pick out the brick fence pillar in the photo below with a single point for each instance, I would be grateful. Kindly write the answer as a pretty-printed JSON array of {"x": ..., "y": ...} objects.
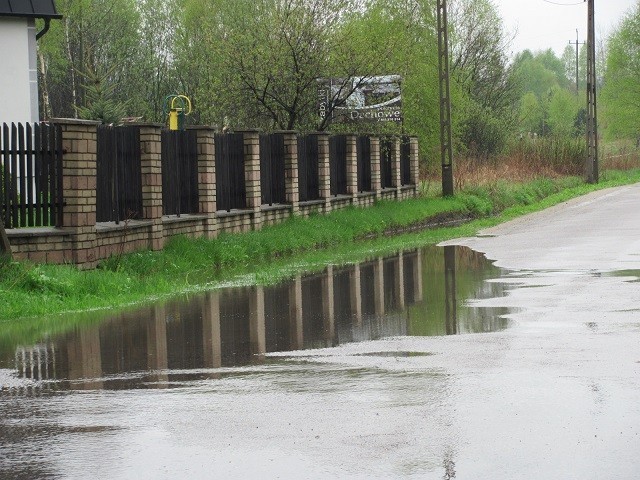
[
  {"x": 324, "y": 170},
  {"x": 151, "y": 167},
  {"x": 352, "y": 168},
  {"x": 207, "y": 179},
  {"x": 414, "y": 165},
  {"x": 79, "y": 142},
  {"x": 291, "y": 175},
  {"x": 376, "y": 179},
  {"x": 252, "y": 176}
]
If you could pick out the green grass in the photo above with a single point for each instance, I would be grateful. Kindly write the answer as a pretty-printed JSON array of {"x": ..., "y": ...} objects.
[{"x": 299, "y": 244}]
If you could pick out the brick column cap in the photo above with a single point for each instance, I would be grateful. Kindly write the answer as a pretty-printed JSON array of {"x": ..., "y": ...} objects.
[
  {"x": 144, "y": 124},
  {"x": 209, "y": 128},
  {"x": 74, "y": 121},
  {"x": 248, "y": 130},
  {"x": 320, "y": 134},
  {"x": 285, "y": 132}
]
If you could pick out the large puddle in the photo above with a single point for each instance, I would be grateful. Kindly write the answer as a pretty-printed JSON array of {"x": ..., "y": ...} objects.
[
  {"x": 426, "y": 292},
  {"x": 403, "y": 366}
]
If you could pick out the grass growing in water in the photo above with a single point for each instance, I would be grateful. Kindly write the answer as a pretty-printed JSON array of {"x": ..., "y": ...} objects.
[{"x": 28, "y": 290}]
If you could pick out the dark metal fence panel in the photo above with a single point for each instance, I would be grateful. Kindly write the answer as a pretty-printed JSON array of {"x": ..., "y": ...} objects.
[
  {"x": 338, "y": 164},
  {"x": 272, "y": 181},
  {"x": 230, "y": 182},
  {"x": 31, "y": 191},
  {"x": 405, "y": 161},
  {"x": 119, "y": 174},
  {"x": 179, "y": 172},
  {"x": 386, "y": 152},
  {"x": 364, "y": 164},
  {"x": 106, "y": 178},
  {"x": 308, "y": 176}
]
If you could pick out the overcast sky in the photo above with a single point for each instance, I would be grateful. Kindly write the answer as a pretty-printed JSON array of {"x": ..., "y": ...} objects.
[{"x": 543, "y": 24}]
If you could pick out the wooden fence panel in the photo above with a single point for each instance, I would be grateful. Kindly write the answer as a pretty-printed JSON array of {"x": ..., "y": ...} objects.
[
  {"x": 386, "y": 152},
  {"x": 338, "y": 164},
  {"x": 272, "y": 172},
  {"x": 405, "y": 161},
  {"x": 230, "y": 181},
  {"x": 31, "y": 193},
  {"x": 119, "y": 174},
  {"x": 308, "y": 173},
  {"x": 364, "y": 164},
  {"x": 179, "y": 172}
]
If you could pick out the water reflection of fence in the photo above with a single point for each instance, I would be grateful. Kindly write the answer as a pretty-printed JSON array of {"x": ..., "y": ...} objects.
[
  {"x": 33, "y": 367},
  {"x": 236, "y": 326},
  {"x": 37, "y": 362}
]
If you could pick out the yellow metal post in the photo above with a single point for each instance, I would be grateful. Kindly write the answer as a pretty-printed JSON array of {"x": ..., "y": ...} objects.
[{"x": 173, "y": 120}]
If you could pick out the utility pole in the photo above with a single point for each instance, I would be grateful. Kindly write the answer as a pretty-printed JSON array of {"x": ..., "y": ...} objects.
[
  {"x": 591, "y": 167},
  {"x": 446, "y": 153},
  {"x": 577, "y": 61}
]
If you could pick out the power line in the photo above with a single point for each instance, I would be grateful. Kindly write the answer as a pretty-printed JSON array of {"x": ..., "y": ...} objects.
[{"x": 563, "y": 4}]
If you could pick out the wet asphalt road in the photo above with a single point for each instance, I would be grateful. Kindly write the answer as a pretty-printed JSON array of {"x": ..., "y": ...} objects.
[{"x": 555, "y": 396}]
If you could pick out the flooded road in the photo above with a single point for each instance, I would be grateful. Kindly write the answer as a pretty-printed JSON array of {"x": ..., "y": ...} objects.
[{"x": 431, "y": 364}]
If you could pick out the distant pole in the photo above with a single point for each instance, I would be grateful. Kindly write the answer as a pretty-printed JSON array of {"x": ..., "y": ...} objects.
[
  {"x": 577, "y": 60},
  {"x": 446, "y": 153},
  {"x": 591, "y": 168}
]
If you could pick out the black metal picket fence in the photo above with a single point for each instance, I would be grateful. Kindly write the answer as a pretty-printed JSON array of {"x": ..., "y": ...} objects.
[
  {"x": 405, "y": 161},
  {"x": 31, "y": 193},
  {"x": 119, "y": 176},
  {"x": 230, "y": 181},
  {"x": 364, "y": 164},
  {"x": 386, "y": 154},
  {"x": 338, "y": 164},
  {"x": 308, "y": 181},
  {"x": 272, "y": 169},
  {"x": 179, "y": 172}
]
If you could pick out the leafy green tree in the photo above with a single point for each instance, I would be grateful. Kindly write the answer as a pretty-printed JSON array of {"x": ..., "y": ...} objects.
[
  {"x": 255, "y": 63},
  {"x": 533, "y": 75},
  {"x": 532, "y": 114},
  {"x": 153, "y": 69},
  {"x": 621, "y": 90},
  {"x": 563, "y": 109},
  {"x": 95, "y": 35},
  {"x": 487, "y": 110}
]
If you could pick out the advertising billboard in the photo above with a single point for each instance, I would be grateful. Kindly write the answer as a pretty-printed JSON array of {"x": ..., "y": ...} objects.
[{"x": 360, "y": 99}]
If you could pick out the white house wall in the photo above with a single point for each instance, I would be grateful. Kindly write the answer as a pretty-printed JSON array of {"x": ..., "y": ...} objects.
[{"x": 18, "y": 71}]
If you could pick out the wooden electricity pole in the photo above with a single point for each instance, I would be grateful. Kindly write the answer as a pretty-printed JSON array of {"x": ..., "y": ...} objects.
[
  {"x": 591, "y": 167},
  {"x": 446, "y": 153}
]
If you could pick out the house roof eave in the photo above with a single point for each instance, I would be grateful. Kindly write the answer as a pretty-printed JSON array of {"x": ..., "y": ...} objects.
[{"x": 29, "y": 9}]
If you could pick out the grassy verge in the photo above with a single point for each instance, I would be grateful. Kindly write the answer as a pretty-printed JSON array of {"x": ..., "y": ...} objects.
[{"x": 28, "y": 290}]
